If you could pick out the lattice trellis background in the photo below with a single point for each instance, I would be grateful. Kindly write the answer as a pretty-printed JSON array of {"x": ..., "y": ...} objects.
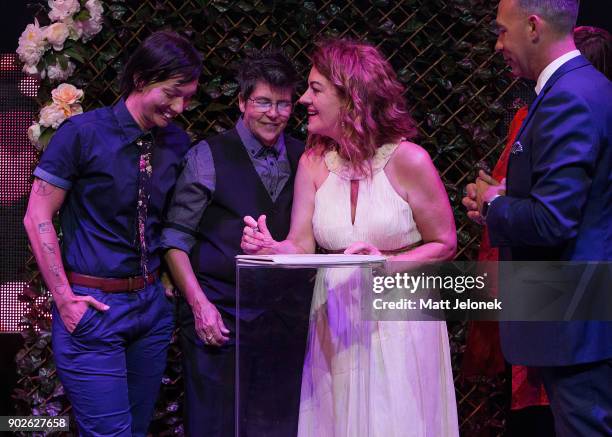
[{"x": 460, "y": 92}]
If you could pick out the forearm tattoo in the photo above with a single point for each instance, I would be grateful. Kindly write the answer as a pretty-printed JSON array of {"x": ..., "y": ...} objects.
[
  {"x": 57, "y": 278},
  {"x": 48, "y": 247},
  {"x": 45, "y": 227},
  {"x": 42, "y": 188}
]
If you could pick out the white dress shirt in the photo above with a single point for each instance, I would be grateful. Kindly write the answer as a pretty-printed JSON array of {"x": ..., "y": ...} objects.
[{"x": 552, "y": 67}]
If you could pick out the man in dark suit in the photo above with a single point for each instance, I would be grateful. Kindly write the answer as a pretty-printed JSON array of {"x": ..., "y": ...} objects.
[
  {"x": 247, "y": 170},
  {"x": 557, "y": 204}
]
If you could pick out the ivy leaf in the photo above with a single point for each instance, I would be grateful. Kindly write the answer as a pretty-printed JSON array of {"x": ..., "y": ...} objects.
[
  {"x": 434, "y": 120},
  {"x": 483, "y": 48},
  {"x": 388, "y": 27},
  {"x": 220, "y": 6},
  {"x": 244, "y": 6},
  {"x": 212, "y": 88},
  {"x": 83, "y": 15},
  {"x": 74, "y": 54},
  {"x": 216, "y": 107},
  {"x": 334, "y": 9},
  {"x": 117, "y": 11},
  {"x": 483, "y": 74},
  {"x": 45, "y": 136},
  {"x": 229, "y": 88},
  {"x": 261, "y": 30},
  {"x": 310, "y": 6},
  {"x": 412, "y": 26},
  {"x": 444, "y": 83},
  {"x": 406, "y": 75},
  {"x": 462, "y": 46},
  {"x": 466, "y": 64},
  {"x": 233, "y": 44},
  {"x": 468, "y": 20}
]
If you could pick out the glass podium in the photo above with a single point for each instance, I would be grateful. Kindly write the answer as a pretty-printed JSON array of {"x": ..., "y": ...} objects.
[{"x": 286, "y": 306}]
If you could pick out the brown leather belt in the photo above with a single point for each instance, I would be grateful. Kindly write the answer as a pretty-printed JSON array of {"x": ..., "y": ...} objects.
[
  {"x": 384, "y": 252},
  {"x": 112, "y": 285}
]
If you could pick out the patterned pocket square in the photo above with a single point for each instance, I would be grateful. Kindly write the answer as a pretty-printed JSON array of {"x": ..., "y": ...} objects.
[{"x": 517, "y": 148}]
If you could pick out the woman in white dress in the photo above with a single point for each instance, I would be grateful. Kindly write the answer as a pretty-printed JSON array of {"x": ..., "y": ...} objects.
[{"x": 363, "y": 188}]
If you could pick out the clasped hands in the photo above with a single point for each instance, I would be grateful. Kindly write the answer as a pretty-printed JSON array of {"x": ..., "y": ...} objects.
[
  {"x": 484, "y": 189},
  {"x": 257, "y": 240}
]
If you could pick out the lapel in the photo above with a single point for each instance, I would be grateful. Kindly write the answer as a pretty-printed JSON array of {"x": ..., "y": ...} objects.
[{"x": 572, "y": 64}]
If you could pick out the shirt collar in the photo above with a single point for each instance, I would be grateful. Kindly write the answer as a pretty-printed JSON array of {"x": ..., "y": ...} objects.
[
  {"x": 126, "y": 122},
  {"x": 252, "y": 144},
  {"x": 552, "y": 67}
]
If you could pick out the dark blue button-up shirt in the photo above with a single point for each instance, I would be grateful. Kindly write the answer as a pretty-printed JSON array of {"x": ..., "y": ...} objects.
[{"x": 94, "y": 157}]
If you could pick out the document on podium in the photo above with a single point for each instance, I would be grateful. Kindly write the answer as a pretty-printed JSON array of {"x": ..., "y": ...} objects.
[{"x": 309, "y": 259}]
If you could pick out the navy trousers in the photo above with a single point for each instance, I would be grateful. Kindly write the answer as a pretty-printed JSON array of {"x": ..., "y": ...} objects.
[
  {"x": 111, "y": 365},
  {"x": 580, "y": 398},
  {"x": 270, "y": 373}
]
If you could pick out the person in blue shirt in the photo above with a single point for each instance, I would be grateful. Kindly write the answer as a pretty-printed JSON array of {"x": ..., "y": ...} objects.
[{"x": 109, "y": 173}]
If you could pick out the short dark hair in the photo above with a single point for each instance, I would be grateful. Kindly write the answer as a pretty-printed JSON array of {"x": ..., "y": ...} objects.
[
  {"x": 595, "y": 44},
  {"x": 561, "y": 14},
  {"x": 161, "y": 56},
  {"x": 268, "y": 65}
]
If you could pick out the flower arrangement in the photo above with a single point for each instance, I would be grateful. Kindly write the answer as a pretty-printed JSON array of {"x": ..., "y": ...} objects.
[
  {"x": 66, "y": 102},
  {"x": 48, "y": 51}
]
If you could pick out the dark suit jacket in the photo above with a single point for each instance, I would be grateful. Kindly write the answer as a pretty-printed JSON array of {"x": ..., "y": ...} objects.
[{"x": 559, "y": 205}]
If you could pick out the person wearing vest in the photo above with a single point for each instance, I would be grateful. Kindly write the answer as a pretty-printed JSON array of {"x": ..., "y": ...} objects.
[{"x": 247, "y": 170}]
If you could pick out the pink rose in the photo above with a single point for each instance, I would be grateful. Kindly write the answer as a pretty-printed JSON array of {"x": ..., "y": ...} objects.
[
  {"x": 56, "y": 34},
  {"x": 66, "y": 94}
]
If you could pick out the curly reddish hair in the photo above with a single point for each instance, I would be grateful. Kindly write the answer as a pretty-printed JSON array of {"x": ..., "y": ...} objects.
[{"x": 374, "y": 109}]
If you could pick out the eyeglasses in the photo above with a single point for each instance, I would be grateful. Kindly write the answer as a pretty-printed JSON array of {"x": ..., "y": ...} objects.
[{"x": 264, "y": 105}]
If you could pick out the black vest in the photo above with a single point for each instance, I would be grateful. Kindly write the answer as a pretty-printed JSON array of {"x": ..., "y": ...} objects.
[{"x": 239, "y": 191}]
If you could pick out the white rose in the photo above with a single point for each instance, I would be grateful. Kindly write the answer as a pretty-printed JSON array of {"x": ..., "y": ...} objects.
[
  {"x": 89, "y": 28},
  {"x": 61, "y": 9},
  {"x": 31, "y": 44},
  {"x": 66, "y": 94},
  {"x": 95, "y": 9},
  {"x": 56, "y": 34},
  {"x": 52, "y": 115},
  {"x": 93, "y": 25},
  {"x": 34, "y": 133},
  {"x": 30, "y": 69},
  {"x": 57, "y": 74}
]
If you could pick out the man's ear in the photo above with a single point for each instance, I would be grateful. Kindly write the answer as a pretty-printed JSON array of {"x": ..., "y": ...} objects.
[
  {"x": 535, "y": 25},
  {"x": 138, "y": 83},
  {"x": 241, "y": 103}
]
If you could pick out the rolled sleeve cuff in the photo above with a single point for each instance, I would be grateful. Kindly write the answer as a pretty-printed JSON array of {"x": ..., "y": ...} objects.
[
  {"x": 52, "y": 179},
  {"x": 172, "y": 238}
]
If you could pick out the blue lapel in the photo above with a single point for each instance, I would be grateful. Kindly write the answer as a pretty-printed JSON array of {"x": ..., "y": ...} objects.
[{"x": 572, "y": 64}]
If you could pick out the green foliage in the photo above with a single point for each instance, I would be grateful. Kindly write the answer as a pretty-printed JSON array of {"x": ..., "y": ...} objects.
[{"x": 442, "y": 51}]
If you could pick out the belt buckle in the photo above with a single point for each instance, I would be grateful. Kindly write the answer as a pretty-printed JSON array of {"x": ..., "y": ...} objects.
[{"x": 130, "y": 281}]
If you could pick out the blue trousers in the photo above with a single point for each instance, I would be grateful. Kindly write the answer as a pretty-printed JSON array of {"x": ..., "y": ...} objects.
[
  {"x": 580, "y": 398},
  {"x": 111, "y": 365}
]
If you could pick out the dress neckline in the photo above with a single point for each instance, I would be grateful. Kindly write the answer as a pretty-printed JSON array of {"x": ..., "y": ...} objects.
[{"x": 341, "y": 167}]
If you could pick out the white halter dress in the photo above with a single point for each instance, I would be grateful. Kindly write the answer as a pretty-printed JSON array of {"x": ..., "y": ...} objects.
[{"x": 368, "y": 378}]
